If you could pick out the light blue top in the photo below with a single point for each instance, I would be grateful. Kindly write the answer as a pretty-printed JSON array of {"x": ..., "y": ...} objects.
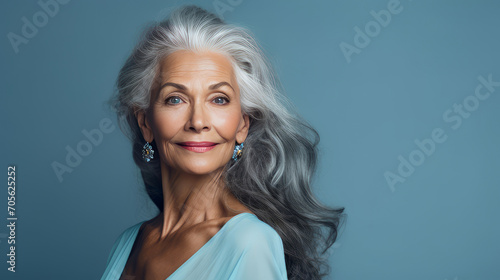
[{"x": 244, "y": 248}]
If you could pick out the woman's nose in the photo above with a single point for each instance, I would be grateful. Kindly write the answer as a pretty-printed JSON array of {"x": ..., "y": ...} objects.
[{"x": 197, "y": 118}]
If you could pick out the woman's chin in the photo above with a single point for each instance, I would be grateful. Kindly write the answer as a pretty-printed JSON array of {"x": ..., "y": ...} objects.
[{"x": 200, "y": 169}]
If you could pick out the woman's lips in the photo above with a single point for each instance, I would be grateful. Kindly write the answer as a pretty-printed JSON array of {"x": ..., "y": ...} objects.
[{"x": 198, "y": 147}]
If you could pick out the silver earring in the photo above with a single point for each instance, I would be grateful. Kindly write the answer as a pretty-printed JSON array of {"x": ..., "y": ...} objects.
[
  {"x": 238, "y": 152},
  {"x": 147, "y": 152}
]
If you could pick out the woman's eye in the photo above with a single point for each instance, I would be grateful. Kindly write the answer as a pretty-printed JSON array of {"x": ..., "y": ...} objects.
[
  {"x": 221, "y": 100},
  {"x": 174, "y": 100}
]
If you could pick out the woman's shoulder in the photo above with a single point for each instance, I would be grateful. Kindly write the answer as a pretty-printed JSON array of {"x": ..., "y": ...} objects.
[
  {"x": 124, "y": 239},
  {"x": 250, "y": 231},
  {"x": 128, "y": 233},
  {"x": 257, "y": 251},
  {"x": 251, "y": 224},
  {"x": 133, "y": 228}
]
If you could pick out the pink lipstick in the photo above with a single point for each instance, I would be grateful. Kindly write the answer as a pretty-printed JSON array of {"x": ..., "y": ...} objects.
[{"x": 197, "y": 147}]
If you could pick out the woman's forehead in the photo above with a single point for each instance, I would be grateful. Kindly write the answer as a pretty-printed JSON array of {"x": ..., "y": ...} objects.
[
  {"x": 188, "y": 62},
  {"x": 187, "y": 67}
]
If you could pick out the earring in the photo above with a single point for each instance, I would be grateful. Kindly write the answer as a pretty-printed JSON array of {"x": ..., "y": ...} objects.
[
  {"x": 147, "y": 152},
  {"x": 238, "y": 151}
]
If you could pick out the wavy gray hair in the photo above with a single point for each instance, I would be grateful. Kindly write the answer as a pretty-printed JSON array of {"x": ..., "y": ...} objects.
[{"x": 273, "y": 178}]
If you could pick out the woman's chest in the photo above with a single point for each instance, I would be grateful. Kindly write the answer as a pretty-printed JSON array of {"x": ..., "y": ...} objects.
[{"x": 153, "y": 259}]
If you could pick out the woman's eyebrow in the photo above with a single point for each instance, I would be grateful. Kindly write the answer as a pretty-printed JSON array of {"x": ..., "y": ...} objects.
[
  {"x": 218, "y": 85},
  {"x": 178, "y": 86},
  {"x": 211, "y": 87}
]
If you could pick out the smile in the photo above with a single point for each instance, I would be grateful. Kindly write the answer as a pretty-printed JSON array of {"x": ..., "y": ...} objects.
[{"x": 198, "y": 147}]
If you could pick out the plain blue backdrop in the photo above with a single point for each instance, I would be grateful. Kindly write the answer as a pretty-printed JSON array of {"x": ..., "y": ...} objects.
[{"x": 407, "y": 108}]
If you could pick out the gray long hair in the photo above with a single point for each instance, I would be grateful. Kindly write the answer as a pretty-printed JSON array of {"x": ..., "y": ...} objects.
[{"x": 273, "y": 177}]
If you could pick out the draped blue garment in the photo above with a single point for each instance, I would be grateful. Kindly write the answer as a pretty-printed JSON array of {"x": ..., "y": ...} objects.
[{"x": 244, "y": 248}]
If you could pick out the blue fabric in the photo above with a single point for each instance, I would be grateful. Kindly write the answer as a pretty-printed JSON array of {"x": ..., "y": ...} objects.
[{"x": 244, "y": 248}]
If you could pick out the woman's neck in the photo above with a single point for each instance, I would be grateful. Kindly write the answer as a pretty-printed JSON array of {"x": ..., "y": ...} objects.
[{"x": 191, "y": 199}]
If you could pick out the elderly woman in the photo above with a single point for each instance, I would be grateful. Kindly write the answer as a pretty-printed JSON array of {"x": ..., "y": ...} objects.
[{"x": 225, "y": 161}]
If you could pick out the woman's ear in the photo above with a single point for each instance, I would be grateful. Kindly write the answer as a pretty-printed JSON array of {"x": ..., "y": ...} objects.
[
  {"x": 143, "y": 123},
  {"x": 242, "y": 133}
]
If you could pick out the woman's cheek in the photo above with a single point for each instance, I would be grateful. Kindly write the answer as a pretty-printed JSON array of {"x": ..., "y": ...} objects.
[
  {"x": 168, "y": 124},
  {"x": 226, "y": 124}
]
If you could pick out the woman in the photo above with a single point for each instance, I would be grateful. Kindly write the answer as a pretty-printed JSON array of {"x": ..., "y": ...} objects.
[{"x": 226, "y": 163}]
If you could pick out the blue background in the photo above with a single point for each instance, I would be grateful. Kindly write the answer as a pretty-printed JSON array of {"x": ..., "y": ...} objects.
[{"x": 440, "y": 223}]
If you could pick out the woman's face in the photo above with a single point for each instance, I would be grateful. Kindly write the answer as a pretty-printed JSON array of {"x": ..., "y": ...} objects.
[{"x": 197, "y": 99}]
